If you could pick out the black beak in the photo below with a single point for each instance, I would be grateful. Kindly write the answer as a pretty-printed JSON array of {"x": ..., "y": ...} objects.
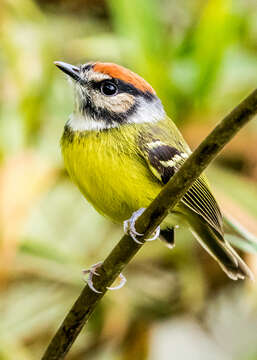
[{"x": 71, "y": 70}]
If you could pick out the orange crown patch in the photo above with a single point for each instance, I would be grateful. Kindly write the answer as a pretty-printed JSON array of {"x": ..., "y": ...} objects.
[{"x": 119, "y": 72}]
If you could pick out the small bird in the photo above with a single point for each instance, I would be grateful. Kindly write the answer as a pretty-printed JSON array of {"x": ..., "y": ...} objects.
[{"x": 121, "y": 148}]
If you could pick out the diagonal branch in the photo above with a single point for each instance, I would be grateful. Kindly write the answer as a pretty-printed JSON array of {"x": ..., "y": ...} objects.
[{"x": 126, "y": 248}]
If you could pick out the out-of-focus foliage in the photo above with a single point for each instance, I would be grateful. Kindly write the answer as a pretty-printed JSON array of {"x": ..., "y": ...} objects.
[{"x": 201, "y": 58}]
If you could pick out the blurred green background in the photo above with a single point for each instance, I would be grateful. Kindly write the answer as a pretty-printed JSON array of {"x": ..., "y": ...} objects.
[{"x": 201, "y": 57}]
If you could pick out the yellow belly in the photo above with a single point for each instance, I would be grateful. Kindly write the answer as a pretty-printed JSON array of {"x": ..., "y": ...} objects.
[{"x": 109, "y": 171}]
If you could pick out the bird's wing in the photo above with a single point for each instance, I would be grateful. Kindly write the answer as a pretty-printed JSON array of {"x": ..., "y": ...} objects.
[{"x": 164, "y": 155}]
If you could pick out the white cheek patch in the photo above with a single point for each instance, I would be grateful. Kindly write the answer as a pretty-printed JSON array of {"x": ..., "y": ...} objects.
[
  {"x": 119, "y": 103},
  {"x": 79, "y": 122},
  {"x": 147, "y": 112}
]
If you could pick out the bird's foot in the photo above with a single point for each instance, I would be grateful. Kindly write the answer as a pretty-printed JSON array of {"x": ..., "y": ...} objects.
[
  {"x": 92, "y": 271},
  {"x": 129, "y": 227}
]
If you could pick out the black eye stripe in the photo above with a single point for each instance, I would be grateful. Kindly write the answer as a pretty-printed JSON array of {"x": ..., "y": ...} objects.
[
  {"x": 123, "y": 87},
  {"x": 108, "y": 88}
]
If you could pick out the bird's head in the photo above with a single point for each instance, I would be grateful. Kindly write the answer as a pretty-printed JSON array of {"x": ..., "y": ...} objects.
[{"x": 108, "y": 95}]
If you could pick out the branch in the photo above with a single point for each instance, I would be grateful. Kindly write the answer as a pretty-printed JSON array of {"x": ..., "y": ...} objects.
[{"x": 126, "y": 249}]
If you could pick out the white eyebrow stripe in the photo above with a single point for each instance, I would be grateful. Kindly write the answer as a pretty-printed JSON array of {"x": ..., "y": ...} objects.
[{"x": 97, "y": 76}]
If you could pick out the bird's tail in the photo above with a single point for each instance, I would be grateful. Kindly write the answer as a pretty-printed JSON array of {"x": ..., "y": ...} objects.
[{"x": 219, "y": 249}]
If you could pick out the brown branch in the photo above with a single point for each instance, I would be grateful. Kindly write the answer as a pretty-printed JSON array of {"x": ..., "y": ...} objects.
[{"x": 126, "y": 248}]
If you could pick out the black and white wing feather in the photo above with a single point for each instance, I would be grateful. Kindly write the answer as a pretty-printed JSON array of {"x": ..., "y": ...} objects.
[{"x": 164, "y": 160}]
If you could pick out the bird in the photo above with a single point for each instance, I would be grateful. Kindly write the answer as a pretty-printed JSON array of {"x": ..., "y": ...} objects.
[{"x": 120, "y": 148}]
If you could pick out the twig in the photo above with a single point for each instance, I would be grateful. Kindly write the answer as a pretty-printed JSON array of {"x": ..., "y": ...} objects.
[{"x": 126, "y": 248}]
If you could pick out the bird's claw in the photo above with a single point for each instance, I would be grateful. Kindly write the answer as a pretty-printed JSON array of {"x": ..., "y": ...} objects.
[
  {"x": 129, "y": 227},
  {"x": 123, "y": 281},
  {"x": 92, "y": 271}
]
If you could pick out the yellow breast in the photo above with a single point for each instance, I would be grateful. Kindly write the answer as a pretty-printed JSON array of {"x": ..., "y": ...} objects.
[{"x": 108, "y": 169}]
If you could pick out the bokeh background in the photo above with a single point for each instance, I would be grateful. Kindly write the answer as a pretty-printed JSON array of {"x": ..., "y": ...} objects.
[{"x": 201, "y": 57}]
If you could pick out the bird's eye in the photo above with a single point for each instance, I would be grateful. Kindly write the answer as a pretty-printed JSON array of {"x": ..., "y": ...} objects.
[{"x": 108, "y": 88}]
